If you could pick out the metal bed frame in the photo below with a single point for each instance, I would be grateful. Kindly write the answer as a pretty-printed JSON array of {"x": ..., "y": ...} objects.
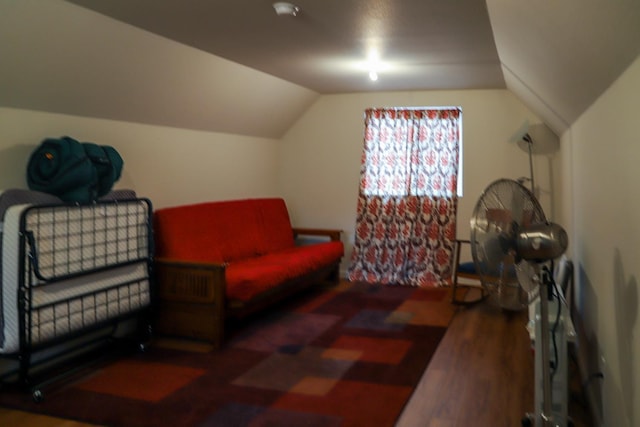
[{"x": 99, "y": 258}]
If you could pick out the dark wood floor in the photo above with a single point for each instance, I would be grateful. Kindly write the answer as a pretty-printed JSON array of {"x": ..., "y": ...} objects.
[{"x": 481, "y": 375}]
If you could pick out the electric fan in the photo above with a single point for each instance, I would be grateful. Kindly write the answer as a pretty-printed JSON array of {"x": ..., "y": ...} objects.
[
  {"x": 511, "y": 245},
  {"x": 503, "y": 209}
]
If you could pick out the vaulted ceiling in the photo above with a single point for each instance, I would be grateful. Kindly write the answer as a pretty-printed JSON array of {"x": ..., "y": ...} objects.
[
  {"x": 214, "y": 58},
  {"x": 422, "y": 44}
]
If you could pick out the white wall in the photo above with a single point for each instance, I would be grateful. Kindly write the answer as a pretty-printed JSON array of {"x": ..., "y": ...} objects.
[
  {"x": 320, "y": 155},
  {"x": 170, "y": 166},
  {"x": 605, "y": 151}
]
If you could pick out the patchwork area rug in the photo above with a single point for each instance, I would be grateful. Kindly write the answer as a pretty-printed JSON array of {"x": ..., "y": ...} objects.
[{"x": 345, "y": 356}]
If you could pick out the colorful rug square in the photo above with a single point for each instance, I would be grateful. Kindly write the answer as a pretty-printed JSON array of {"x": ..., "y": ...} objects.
[
  {"x": 343, "y": 356},
  {"x": 378, "y": 350},
  {"x": 151, "y": 382}
]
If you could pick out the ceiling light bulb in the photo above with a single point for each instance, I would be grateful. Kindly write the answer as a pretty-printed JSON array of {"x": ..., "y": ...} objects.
[
  {"x": 285, "y": 8},
  {"x": 374, "y": 55},
  {"x": 373, "y": 75}
]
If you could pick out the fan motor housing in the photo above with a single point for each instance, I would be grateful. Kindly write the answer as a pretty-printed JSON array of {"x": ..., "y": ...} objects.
[{"x": 541, "y": 242}]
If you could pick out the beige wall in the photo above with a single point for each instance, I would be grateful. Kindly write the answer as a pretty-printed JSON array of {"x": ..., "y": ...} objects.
[
  {"x": 320, "y": 155},
  {"x": 606, "y": 241},
  {"x": 590, "y": 187},
  {"x": 170, "y": 166},
  {"x": 315, "y": 166}
]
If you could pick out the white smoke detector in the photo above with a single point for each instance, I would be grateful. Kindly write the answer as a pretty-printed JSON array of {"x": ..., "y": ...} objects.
[{"x": 285, "y": 8}]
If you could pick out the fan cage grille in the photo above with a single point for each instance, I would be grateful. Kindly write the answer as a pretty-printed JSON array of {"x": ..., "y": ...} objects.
[{"x": 502, "y": 210}]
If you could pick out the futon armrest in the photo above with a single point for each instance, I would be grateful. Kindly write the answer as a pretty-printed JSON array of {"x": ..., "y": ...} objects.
[
  {"x": 186, "y": 281},
  {"x": 334, "y": 235}
]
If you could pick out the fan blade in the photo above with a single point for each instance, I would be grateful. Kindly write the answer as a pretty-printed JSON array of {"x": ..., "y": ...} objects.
[
  {"x": 528, "y": 276},
  {"x": 492, "y": 253},
  {"x": 517, "y": 207}
]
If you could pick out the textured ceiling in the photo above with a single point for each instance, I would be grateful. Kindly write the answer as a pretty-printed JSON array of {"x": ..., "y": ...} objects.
[
  {"x": 423, "y": 44},
  {"x": 234, "y": 66}
]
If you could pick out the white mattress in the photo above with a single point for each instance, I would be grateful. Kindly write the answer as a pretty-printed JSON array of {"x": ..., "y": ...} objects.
[{"x": 91, "y": 266}]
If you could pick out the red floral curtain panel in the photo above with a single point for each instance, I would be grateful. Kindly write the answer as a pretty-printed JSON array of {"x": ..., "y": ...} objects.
[{"x": 406, "y": 219}]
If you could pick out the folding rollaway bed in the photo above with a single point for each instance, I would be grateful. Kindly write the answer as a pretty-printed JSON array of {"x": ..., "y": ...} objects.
[{"x": 71, "y": 275}]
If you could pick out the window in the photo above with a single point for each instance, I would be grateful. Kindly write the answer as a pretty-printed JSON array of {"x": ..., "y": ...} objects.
[
  {"x": 412, "y": 152},
  {"x": 405, "y": 226}
]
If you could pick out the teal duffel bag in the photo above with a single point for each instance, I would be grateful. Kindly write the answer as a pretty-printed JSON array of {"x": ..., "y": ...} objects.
[
  {"x": 73, "y": 171},
  {"x": 107, "y": 163}
]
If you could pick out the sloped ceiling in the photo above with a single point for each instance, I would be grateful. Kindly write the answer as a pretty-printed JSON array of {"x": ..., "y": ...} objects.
[
  {"x": 422, "y": 44},
  {"x": 560, "y": 56},
  {"x": 236, "y": 67},
  {"x": 58, "y": 57}
]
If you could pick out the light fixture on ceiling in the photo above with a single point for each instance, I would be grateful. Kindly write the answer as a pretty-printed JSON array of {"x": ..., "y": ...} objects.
[
  {"x": 285, "y": 8},
  {"x": 373, "y": 63}
]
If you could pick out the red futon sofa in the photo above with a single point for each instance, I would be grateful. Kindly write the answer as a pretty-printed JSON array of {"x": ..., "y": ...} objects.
[{"x": 216, "y": 260}]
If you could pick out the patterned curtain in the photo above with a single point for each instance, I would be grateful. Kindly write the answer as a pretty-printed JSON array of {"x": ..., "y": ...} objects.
[{"x": 406, "y": 219}]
